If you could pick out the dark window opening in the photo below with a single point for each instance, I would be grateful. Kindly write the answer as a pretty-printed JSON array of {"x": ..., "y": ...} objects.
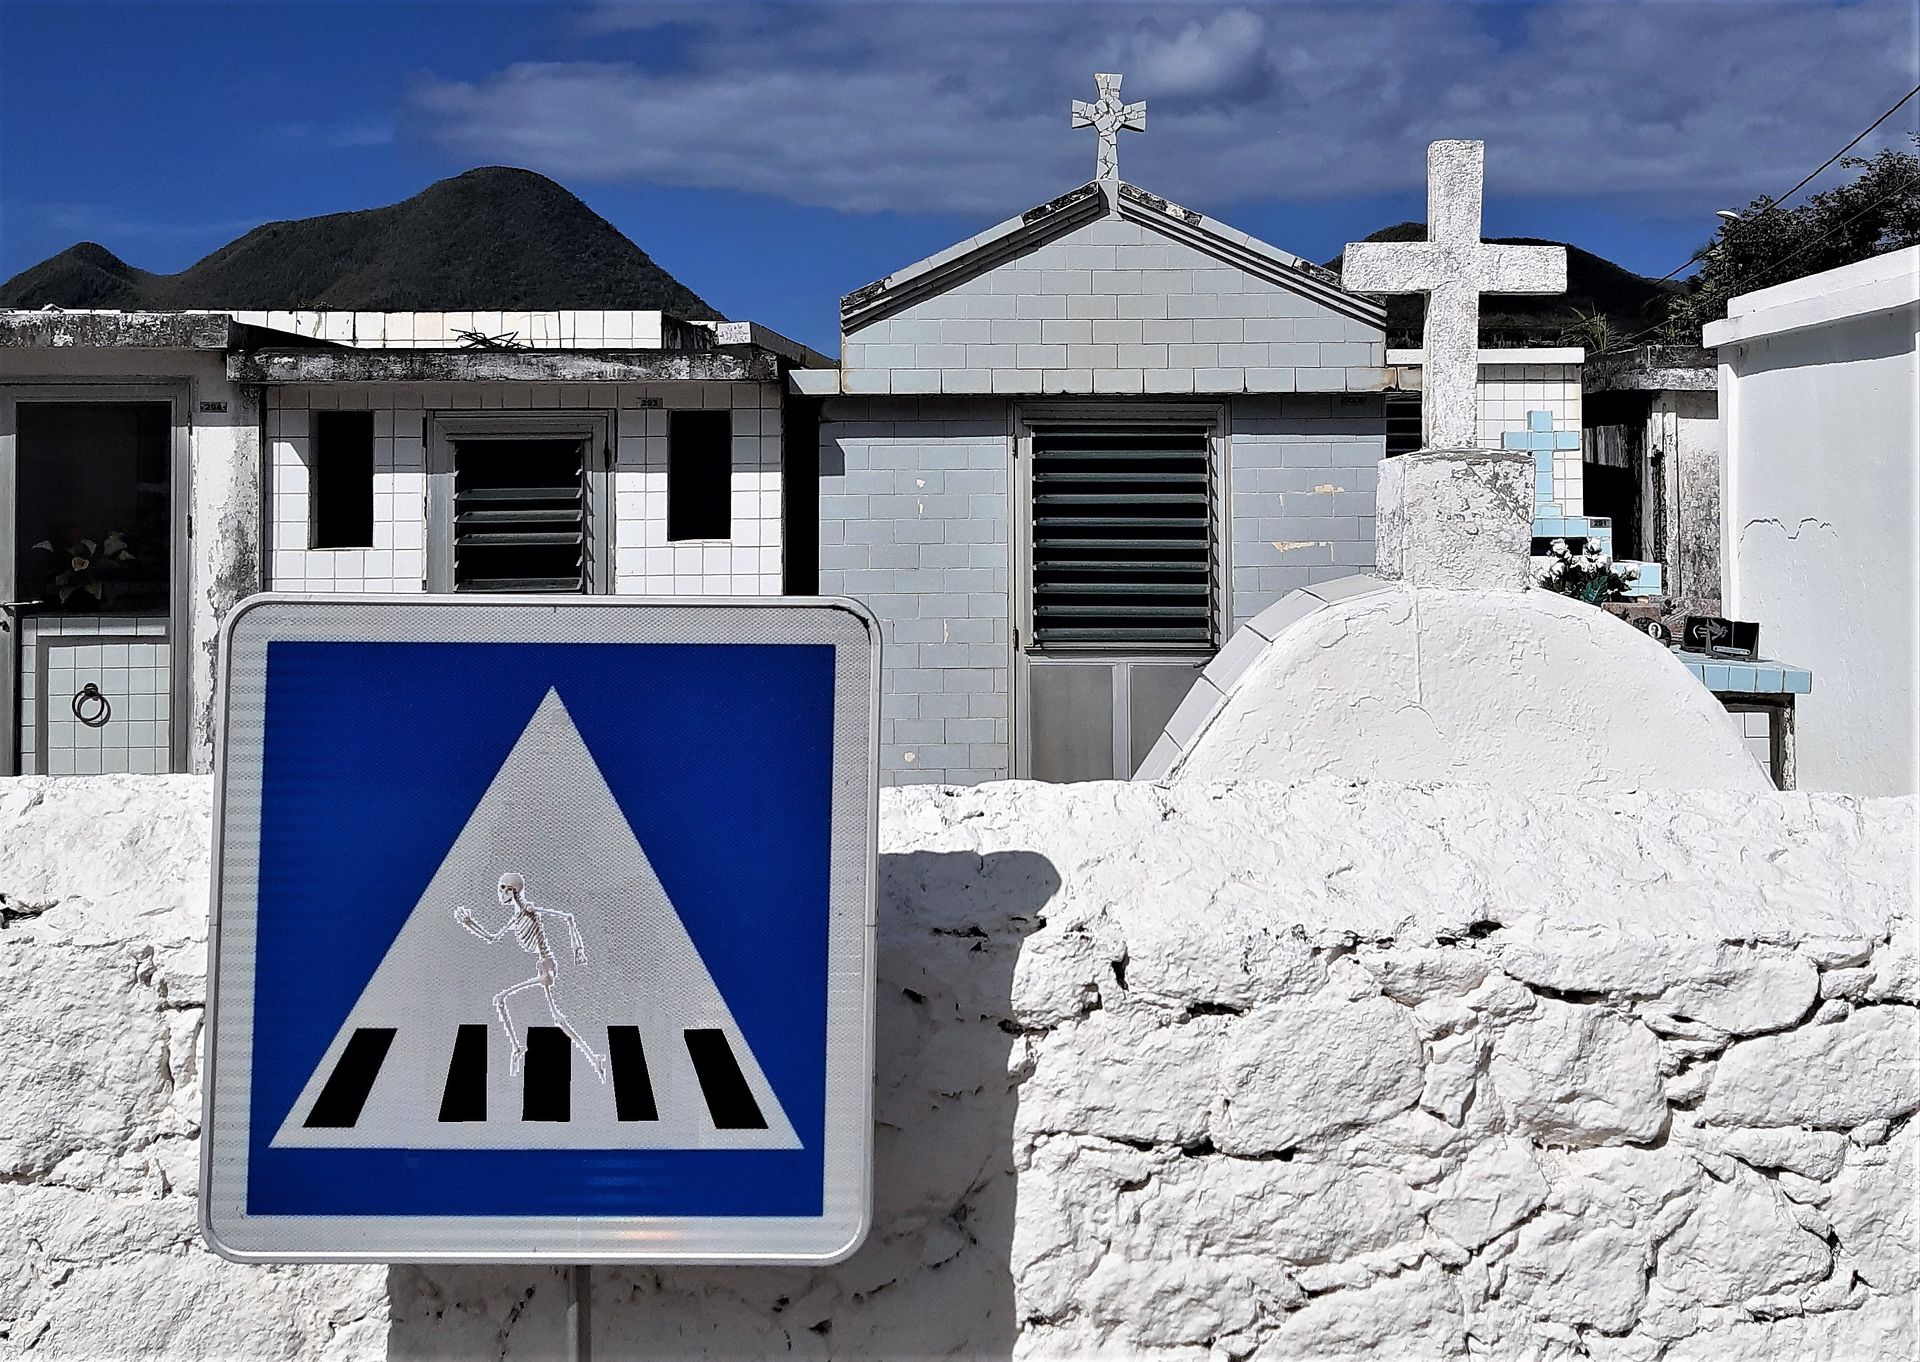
[
  {"x": 700, "y": 475},
  {"x": 94, "y": 506},
  {"x": 800, "y": 495},
  {"x": 1403, "y": 423},
  {"x": 519, "y": 515},
  {"x": 340, "y": 479},
  {"x": 1123, "y": 548}
]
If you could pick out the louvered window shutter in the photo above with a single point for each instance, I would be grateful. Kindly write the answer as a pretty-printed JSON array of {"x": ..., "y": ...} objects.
[
  {"x": 519, "y": 515},
  {"x": 1123, "y": 542}
]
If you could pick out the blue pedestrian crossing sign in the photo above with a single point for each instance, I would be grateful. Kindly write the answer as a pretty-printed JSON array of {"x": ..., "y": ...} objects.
[{"x": 542, "y": 931}]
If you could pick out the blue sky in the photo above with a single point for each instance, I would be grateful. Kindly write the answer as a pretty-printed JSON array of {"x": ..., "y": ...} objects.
[{"x": 775, "y": 155}]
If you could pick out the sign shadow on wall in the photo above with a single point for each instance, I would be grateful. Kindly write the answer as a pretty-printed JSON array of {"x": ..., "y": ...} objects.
[{"x": 934, "y": 1277}]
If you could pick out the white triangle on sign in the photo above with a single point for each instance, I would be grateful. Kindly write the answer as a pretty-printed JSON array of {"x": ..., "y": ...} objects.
[{"x": 549, "y": 818}]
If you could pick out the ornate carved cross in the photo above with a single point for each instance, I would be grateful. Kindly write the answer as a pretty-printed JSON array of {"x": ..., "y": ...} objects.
[{"x": 1108, "y": 116}]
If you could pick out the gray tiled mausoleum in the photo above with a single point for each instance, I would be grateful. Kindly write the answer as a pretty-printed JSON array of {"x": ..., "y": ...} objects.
[{"x": 1064, "y": 459}]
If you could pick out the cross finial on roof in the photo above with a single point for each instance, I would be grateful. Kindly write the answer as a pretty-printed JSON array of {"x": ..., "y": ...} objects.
[
  {"x": 1109, "y": 116},
  {"x": 1453, "y": 267}
]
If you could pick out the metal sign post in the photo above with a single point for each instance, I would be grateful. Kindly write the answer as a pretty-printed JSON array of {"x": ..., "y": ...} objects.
[
  {"x": 543, "y": 932},
  {"x": 580, "y": 1313}
]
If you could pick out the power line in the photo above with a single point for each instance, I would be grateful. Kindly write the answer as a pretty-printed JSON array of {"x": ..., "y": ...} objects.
[
  {"x": 1749, "y": 285},
  {"x": 1775, "y": 203},
  {"x": 1849, "y": 146},
  {"x": 1806, "y": 246}
]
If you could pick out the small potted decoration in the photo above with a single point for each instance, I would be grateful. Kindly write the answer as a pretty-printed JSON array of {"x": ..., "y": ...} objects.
[{"x": 86, "y": 573}]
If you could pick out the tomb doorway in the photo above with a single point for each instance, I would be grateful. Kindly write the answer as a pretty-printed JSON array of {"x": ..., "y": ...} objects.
[{"x": 92, "y": 579}]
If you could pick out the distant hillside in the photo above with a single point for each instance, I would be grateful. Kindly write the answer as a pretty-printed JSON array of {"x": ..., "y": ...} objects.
[
  {"x": 1628, "y": 301},
  {"x": 496, "y": 239}
]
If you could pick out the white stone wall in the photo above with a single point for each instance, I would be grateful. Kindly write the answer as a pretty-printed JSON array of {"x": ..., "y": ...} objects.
[
  {"x": 644, "y": 562},
  {"x": 1329, "y": 1071}
]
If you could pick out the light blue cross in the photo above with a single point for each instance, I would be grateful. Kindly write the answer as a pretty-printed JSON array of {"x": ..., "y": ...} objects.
[{"x": 1542, "y": 441}]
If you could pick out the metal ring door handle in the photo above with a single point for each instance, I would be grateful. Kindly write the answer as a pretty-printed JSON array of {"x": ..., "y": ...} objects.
[{"x": 101, "y": 708}]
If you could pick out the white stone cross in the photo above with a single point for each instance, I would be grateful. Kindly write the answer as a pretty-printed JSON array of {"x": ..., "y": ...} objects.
[
  {"x": 1453, "y": 267},
  {"x": 1109, "y": 116}
]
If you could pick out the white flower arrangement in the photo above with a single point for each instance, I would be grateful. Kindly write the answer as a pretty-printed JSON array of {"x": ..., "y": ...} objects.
[{"x": 1591, "y": 574}]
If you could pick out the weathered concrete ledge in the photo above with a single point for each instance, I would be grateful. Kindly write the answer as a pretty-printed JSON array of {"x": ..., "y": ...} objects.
[
  {"x": 341, "y": 365},
  {"x": 1192, "y": 1073},
  {"x": 57, "y": 330}
]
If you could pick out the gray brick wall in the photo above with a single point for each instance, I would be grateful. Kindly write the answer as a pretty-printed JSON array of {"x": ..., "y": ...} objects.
[
  {"x": 913, "y": 522},
  {"x": 1114, "y": 307},
  {"x": 1301, "y": 509}
]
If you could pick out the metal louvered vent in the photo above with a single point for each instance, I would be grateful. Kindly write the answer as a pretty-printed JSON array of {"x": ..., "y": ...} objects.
[
  {"x": 1122, "y": 536},
  {"x": 1403, "y": 423},
  {"x": 519, "y": 515}
]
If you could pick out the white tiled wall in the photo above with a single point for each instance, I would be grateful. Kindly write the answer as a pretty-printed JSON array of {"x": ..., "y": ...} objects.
[
  {"x": 398, "y": 559},
  {"x": 1756, "y": 727},
  {"x": 748, "y": 563},
  {"x": 1509, "y": 391},
  {"x": 584, "y": 330},
  {"x": 129, "y": 659}
]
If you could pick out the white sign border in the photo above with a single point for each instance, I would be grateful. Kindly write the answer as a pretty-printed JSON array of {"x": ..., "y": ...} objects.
[{"x": 847, "y": 1155}]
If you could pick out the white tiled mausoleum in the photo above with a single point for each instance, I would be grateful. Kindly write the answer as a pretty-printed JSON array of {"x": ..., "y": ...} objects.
[{"x": 157, "y": 467}]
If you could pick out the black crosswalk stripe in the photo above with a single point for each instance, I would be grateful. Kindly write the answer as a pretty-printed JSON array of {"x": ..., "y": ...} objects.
[
  {"x": 340, "y": 1101},
  {"x": 546, "y": 1087},
  {"x": 729, "y": 1099},
  {"x": 465, "y": 1096},
  {"x": 632, "y": 1088},
  {"x": 546, "y": 1092}
]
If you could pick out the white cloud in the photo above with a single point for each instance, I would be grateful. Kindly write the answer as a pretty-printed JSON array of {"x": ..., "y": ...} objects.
[{"x": 962, "y": 108}]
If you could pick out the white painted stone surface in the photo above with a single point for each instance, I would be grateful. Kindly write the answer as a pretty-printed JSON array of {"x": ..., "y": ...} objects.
[
  {"x": 1108, "y": 116},
  {"x": 1817, "y": 383},
  {"x": 1493, "y": 1134},
  {"x": 1521, "y": 690},
  {"x": 1455, "y": 518}
]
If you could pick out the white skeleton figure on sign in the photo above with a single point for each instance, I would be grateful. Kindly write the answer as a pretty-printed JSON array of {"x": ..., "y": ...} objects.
[{"x": 527, "y": 924}]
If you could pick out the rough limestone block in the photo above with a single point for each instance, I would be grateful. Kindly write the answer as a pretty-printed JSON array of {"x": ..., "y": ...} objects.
[
  {"x": 1577, "y": 1272},
  {"x": 1866, "y": 1068},
  {"x": 1741, "y": 1241},
  {"x": 1459, "y": 518},
  {"x": 1292, "y": 1071},
  {"x": 1741, "y": 991},
  {"x": 1495, "y": 1188},
  {"x": 1578, "y": 1075},
  {"x": 1874, "y": 1213}
]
